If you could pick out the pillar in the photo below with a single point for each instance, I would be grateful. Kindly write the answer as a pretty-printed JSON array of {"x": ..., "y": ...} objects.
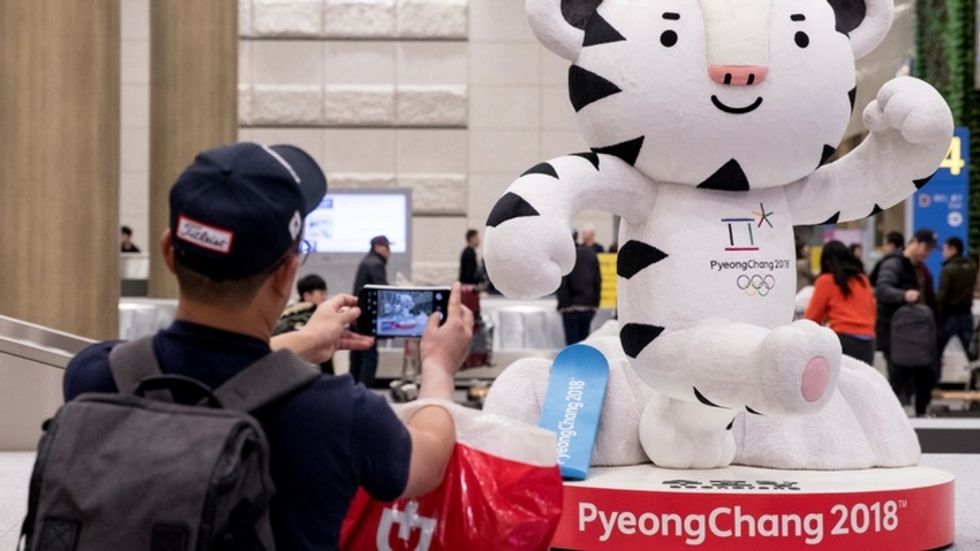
[
  {"x": 59, "y": 164},
  {"x": 193, "y": 101}
]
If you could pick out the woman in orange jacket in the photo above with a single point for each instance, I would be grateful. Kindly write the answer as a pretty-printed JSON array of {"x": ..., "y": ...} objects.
[{"x": 844, "y": 299}]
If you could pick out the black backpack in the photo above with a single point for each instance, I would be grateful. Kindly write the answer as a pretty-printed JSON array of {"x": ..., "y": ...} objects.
[
  {"x": 134, "y": 471},
  {"x": 913, "y": 336}
]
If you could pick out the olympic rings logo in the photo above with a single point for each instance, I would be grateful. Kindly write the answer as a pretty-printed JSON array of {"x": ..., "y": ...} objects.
[{"x": 756, "y": 285}]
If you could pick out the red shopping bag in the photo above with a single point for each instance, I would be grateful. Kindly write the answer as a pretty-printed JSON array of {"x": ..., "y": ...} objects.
[{"x": 502, "y": 490}]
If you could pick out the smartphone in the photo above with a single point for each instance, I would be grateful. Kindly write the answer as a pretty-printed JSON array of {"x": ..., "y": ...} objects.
[{"x": 393, "y": 312}]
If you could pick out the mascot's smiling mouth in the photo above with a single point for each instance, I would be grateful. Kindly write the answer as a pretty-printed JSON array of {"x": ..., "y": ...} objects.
[{"x": 736, "y": 110}]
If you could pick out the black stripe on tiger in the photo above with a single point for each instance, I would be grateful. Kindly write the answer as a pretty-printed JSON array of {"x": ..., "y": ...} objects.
[
  {"x": 828, "y": 152},
  {"x": 628, "y": 151},
  {"x": 635, "y": 256},
  {"x": 706, "y": 401},
  {"x": 542, "y": 168},
  {"x": 591, "y": 157},
  {"x": 510, "y": 206},
  {"x": 832, "y": 220},
  {"x": 919, "y": 184},
  {"x": 599, "y": 31},
  {"x": 729, "y": 177},
  {"x": 586, "y": 87},
  {"x": 637, "y": 336}
]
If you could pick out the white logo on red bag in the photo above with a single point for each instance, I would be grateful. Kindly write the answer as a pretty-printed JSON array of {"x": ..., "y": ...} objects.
[
  {"x": 407, "y": 520},
  {"x": 203, "y": 235}
]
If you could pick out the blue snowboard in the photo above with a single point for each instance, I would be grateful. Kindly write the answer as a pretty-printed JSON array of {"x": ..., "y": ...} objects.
[{"x": 573, "y": 406}]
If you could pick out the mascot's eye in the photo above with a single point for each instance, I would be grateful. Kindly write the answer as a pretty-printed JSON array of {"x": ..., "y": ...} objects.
[
  {"x": 802, "y": 40},
  {"x": 668, "y": 39}
]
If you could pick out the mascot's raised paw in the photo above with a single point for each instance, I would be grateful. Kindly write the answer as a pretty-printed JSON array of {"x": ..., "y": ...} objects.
[
  {"x": 914, "y": 109},
  {"x": 527, "y": 253}
]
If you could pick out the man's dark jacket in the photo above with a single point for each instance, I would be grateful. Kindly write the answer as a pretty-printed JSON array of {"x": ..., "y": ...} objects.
[
  {"x": 469, "y": 268},
  {"x": 371, "y": 271},
  {"x": 896, "y": 275},
  {"x": 956, "y": 283},
  {"x": 583, "y": 285}
]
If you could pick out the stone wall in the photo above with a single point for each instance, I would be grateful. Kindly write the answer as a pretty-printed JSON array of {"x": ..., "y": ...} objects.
[{"x": 451, "y": 98}]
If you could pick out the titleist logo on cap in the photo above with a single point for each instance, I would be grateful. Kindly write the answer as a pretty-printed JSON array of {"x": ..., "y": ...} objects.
[{"x": 203, "y": 235}]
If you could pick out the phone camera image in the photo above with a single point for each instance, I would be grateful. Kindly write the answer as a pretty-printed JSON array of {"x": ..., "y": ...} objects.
[{"x": 404, "y": 313}]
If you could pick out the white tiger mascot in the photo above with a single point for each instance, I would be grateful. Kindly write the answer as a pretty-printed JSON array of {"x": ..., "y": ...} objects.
[{"x": 710, "y": 124}]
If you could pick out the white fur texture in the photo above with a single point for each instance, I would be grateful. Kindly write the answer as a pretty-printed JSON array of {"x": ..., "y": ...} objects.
[
  {"x": 708, "y": 276},
  {"x": 862, "y": 426}
]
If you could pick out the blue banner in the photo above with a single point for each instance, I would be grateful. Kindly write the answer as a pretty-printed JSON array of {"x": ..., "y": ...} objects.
[
  {"x": 573, "y": 406},
  {"x": 943, "y": 204}
]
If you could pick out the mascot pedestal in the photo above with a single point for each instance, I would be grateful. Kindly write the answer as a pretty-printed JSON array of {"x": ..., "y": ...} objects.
[
  {"x": 711, "y": 126},
  {"x": 743, "y": 508}
]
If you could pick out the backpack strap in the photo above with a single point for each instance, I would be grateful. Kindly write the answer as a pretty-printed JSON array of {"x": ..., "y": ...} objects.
[
  {"x": 131, "y": 362},
  {"x": 273, "y": 377}
]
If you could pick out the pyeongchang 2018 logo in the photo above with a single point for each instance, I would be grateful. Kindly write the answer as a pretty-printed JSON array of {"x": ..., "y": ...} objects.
[
  {"x": 756, "y": 285},
  {"x": 203, "y": 235}
]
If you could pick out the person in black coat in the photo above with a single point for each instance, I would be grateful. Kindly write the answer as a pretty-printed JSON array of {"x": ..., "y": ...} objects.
[
  {"x": 469, "y": 267},
  {"x": 371, "y": 271},
  {"x": 903, "y": 278},
  {"x": 578, "y": 295}
]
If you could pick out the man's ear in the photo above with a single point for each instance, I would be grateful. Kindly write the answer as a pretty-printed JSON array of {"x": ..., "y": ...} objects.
[
  {"x": 866, "y": 22},
  {"x": 559, "y": 24},
  {"x": 167, "y": 248},
  {"x": 285, "y": 275}
]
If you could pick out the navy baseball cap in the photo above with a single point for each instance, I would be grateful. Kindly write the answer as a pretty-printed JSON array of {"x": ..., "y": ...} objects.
[{"x": 237, "y": 209}]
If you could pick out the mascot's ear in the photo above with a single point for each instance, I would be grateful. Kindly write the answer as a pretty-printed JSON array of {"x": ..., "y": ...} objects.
[
  {"x": 865, "y": 21},
  {"x": 558, "y": 24}
]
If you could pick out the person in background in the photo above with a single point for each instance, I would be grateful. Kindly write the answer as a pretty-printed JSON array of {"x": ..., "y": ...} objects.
[
  {"x": 857, "y": 251},
  {"x": 804, "y": 271},
  {"x": 843, "y": 298},
  {"x": 904, "y": 279},
  {"x": 579, "y": 293},
  {"x": 312, "y": 290},
  {"x": 126, "y": 240},
  {"x": 469, "y": 266},
  {"x": 373, "y": 270},
  {"x": 588, "y": 239},
  {"x": 955, "y": 300},
  {"x": 893, "y": 246}
]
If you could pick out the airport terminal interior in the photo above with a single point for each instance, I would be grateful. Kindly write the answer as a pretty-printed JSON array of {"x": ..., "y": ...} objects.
[{"x": 611, "y": 234}]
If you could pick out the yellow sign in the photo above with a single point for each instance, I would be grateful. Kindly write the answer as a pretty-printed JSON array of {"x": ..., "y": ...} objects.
[
  {"x": 954, "y": 157},
  {"x": 607, "y": 268}
]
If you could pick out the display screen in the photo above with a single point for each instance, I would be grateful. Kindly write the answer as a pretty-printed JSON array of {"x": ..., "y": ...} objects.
[
  {"x": 405, "y": 313},
  {"x": 346, "y": 222}
]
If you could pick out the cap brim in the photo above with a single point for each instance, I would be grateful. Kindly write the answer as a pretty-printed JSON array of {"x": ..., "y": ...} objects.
[{"x": 312, "y": 182}]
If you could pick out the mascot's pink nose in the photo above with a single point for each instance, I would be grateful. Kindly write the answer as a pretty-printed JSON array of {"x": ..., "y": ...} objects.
[
  {"x": 738, "y": 75},
  {"x": 816, "y": 379}
]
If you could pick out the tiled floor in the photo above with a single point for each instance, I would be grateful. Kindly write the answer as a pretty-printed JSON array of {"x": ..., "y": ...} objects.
[{"x": 15, "y": 471}]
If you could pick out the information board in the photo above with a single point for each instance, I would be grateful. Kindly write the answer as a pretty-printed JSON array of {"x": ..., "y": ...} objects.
[{"x": 943, "y": 204}]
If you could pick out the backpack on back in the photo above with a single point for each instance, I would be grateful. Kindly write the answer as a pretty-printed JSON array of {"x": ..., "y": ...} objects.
[
  {"x": 136, "y": 471},
  {"x": 913, "y": 336}
]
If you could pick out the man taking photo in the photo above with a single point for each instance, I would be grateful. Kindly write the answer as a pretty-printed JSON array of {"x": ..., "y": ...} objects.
[{"x": 236, "y": 216}]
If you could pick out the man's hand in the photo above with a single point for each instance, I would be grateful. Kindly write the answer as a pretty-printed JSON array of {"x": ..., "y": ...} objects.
[
  {"x": 326, "y": 332},
  {"x": 445, "y": 347},
  {"x": 912, "y": 296}
]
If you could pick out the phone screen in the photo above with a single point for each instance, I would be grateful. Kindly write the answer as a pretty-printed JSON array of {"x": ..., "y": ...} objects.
[{"x": 396, "y": 312}]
